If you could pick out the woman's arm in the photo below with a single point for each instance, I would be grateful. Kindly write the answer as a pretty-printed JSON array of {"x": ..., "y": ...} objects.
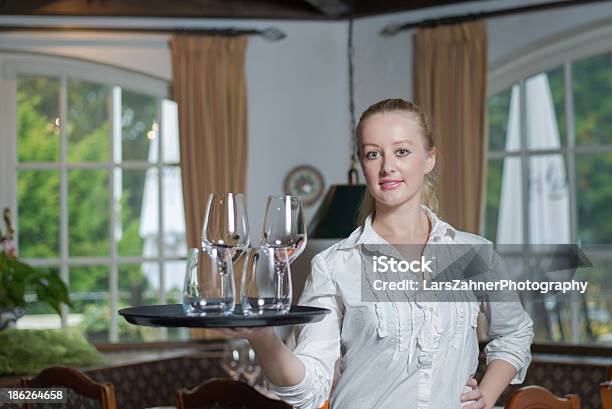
[
  {"x": 280, "y": 366},
  {"x": 510, "y": 328},
  {"x": 303, "y": 377},
  {"x": 500, "y": 371},
  {"x": 508, "y": 353},
  {"x": 499, "y": 374},
  {"x": 497, "y": 377}
]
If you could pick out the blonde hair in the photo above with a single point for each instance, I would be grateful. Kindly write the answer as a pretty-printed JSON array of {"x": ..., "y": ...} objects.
[{"x": 429, "y": 198}]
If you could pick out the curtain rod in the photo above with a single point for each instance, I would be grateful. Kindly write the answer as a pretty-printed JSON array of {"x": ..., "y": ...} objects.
[
  {"x": 270, "y": 34},
  {"x": 394, "y": 29}
]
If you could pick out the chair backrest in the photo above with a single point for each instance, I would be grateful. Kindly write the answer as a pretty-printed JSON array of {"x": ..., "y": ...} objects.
[
  {"x": 78, "y": 382},
  {"x": 225, "y": 394},
  {"x": 537, "y": 397},
  {"x": 605, "y": 390},
  {"x": 610, "y": 373}
]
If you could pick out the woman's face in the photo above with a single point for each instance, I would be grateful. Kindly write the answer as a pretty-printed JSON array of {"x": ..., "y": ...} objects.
[{"x": 394, "y": 158}]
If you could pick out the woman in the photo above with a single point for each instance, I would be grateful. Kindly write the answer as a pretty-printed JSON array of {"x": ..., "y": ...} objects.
[{"x": 393, "y": 354}]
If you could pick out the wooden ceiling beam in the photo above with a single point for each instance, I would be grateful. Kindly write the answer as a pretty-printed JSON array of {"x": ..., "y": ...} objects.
[
  {"x": 364, "y": 8},
  {"x": 239, "y": 9},
  {"x": 331, "y": 8},
  {"x": 248, "y": 9}
]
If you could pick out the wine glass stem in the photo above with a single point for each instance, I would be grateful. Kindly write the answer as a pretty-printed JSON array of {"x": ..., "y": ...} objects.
[
  {"x": 281, "y": 276},
  {"x": 279, "y": 290},
  {"x": 284, "y": 280},
  {"x": 227, "y": 267}
]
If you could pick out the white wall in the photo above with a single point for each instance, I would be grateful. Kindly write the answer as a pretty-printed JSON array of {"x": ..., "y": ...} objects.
[
  {"x": 298, "y": 109},
  {"x": 511, "y": 36}
]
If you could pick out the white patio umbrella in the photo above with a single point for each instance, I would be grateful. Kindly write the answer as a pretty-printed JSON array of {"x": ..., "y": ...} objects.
[
  {"x": 173, "y": 238},
  {"x": 548, "y": 199},
  {"x": 548, "y": 193}
]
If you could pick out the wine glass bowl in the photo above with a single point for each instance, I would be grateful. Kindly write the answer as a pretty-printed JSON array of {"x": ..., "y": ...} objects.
[
  {"x": 284, "y": 225},
  {"x": 225, "y": 222}
]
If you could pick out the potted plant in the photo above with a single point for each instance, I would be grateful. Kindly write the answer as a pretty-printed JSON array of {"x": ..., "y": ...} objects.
[{"x": 17, "y": 276}]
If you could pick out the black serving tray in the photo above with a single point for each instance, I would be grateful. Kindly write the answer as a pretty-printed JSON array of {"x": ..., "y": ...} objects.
[{"x": 172, "y": 315}]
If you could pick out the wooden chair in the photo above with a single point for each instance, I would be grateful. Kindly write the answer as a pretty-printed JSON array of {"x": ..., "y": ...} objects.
[
  {"x": 77, "y": 382},
  {"x": 225, "y": 394},
  {"x": 610, "y": 373},
  {"x": 537, "y": 397},
  {"x": 605, "y": 390}
]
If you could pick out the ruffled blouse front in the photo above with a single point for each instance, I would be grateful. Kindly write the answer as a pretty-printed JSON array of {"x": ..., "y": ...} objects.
[{"x": 396, "y": 355}]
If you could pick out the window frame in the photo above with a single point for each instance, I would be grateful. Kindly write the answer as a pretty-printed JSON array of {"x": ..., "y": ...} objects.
[
  {"x": 116, "y": 79},
  {"x": 559, "y": 51}
]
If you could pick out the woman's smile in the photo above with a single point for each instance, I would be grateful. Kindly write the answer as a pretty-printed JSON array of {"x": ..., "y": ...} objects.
[{"x": 390, "y": 184}]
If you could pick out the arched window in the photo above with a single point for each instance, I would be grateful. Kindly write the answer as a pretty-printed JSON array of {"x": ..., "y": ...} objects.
[
  {"x": 549, "y": 170},
  {"x": 91, "y": 171}
]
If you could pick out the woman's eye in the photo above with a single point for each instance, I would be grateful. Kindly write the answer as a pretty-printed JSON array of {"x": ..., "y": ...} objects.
[
  {"x": 372, "y": 155},
  {"x": 402, "y": 152}
]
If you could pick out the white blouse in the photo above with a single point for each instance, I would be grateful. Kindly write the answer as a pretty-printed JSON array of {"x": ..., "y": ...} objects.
[{"x": 396, "y": 355}]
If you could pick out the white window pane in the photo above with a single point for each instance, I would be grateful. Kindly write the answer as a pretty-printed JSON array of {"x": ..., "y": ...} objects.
[
  {"x": 174, "y": 277},
  {"x": 504, "y": 125},
  {"x": 100, "y": 116},
  {"x": 140, "y": 128},
  {"x": 138, "y": 285},
  {"x": 594, "y": 198},
  {"x": 174, "y": 236},
  {"x": 498, "y": 110},
  {"x": 38, "y": 126},
  {"x": 136, "y": 196},
  {"x": 40, "y": 315},
  {"x": 545, "y": 110},
  {"x": 594, "y": 325},
  {"x": 38, "y": 205},
  {"x": 88, "y": 128},
  {"x": 549, "y": 211},
  {"x": 170, "y": 132},
  {"x": 576, "y": 318},
  {"x": 504, "y": 203},
  {"x": 592, "y": 88},
  {"x": 90, "y": 296},
  {"x": 88, "y": 212}
]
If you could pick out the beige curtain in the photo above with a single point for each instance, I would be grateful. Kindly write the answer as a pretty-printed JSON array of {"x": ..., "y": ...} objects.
[
  {"x": 209, "y": 86},
  {"x": 450, "y": 77}
]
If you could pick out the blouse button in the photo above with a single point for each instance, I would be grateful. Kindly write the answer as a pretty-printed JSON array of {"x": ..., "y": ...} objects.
[{"x": 425, "y": 360}]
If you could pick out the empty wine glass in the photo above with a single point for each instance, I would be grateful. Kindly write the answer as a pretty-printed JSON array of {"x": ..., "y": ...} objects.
[
  {"x": 208, "y": 288},
  {"x": 266, "y": 281},
  {"x": 226, "y": 228},
  {"x": 226, "y": 224},
  {"x": 233, "y": 358},
  {"x": 284, "y": 225}
]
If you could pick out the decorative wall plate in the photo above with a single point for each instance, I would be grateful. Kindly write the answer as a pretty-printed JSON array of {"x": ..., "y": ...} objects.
[{"x": 306, "y": 182}]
